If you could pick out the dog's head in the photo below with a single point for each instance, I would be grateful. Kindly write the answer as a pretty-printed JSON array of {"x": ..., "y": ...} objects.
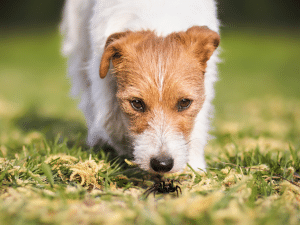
[{"x": 160, "y": 84}]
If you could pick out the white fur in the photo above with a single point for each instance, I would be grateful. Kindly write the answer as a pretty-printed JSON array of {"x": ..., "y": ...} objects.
[
  {"x": 86, "y": 26},
  {"x": 160, "y": 138}
]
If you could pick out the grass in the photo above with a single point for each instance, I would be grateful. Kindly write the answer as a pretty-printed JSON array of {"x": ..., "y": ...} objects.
[{"x": 49, "y": 176}]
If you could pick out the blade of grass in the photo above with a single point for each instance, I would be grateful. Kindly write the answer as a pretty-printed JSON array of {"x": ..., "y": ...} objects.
[{"x": 48, "y": 173}]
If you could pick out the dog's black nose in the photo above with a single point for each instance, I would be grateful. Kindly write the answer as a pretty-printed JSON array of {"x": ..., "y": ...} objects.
[{"x": 162, "y": 164}]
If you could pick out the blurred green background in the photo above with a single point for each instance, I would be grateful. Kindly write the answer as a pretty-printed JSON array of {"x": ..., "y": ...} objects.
[
  {"x": 254, "y": 12},
  {"x": 260, "y": 52}
]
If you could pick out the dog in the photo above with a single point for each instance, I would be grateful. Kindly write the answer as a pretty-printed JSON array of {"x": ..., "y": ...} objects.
[{"x": 144, "y": 71}]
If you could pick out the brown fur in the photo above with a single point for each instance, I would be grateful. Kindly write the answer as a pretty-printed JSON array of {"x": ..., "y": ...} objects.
[{"x": 141, "y": 59}]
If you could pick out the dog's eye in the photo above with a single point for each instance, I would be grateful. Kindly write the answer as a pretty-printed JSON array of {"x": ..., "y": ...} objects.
[
  {"x": 138, "y": 105},
  {"x": 184, "y": 104}
]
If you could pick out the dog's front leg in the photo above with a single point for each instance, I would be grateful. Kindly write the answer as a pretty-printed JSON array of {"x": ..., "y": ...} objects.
[{"x": 196, "y": 158}]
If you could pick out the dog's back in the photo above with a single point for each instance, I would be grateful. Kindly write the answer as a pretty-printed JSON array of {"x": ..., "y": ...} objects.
[{"x": 77, "y": 47}]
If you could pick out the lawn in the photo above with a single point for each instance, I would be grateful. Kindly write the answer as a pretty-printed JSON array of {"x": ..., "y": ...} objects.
[{"x": 49, "y": 176}]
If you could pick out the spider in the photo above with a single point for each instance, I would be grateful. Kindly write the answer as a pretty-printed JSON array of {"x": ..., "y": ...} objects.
[{"x": 163, "y": 187}]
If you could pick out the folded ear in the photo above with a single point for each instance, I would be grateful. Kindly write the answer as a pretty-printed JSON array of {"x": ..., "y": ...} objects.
[
  {"x": 112, "y": 51},
  {"x": 203, "y": 42}
]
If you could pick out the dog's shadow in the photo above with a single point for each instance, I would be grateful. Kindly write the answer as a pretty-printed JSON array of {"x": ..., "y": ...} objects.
[
  {"x": 75, "y": 131},
  {"x": 32, "y": 120}
]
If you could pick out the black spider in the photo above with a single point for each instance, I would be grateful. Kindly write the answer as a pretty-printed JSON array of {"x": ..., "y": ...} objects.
[{"x": 163, "y": 187}]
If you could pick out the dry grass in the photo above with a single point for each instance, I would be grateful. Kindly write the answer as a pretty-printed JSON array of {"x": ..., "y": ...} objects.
[{"x": 46, "y": 178}]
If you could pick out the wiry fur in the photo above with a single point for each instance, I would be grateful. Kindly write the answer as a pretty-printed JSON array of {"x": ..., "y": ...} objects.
[{"x": 87, "y": 27}]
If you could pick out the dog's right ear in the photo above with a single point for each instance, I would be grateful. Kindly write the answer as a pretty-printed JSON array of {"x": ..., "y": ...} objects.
[{"x": 112, "y": 51}]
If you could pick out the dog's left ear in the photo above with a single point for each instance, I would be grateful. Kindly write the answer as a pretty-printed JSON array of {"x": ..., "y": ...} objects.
[
  {"x": 203, "y": 42},
  {"x": 112, "y": 51}
]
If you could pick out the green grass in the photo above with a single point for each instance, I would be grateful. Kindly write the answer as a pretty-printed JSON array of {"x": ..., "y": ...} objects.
[{"x": 49, "y": 176}]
